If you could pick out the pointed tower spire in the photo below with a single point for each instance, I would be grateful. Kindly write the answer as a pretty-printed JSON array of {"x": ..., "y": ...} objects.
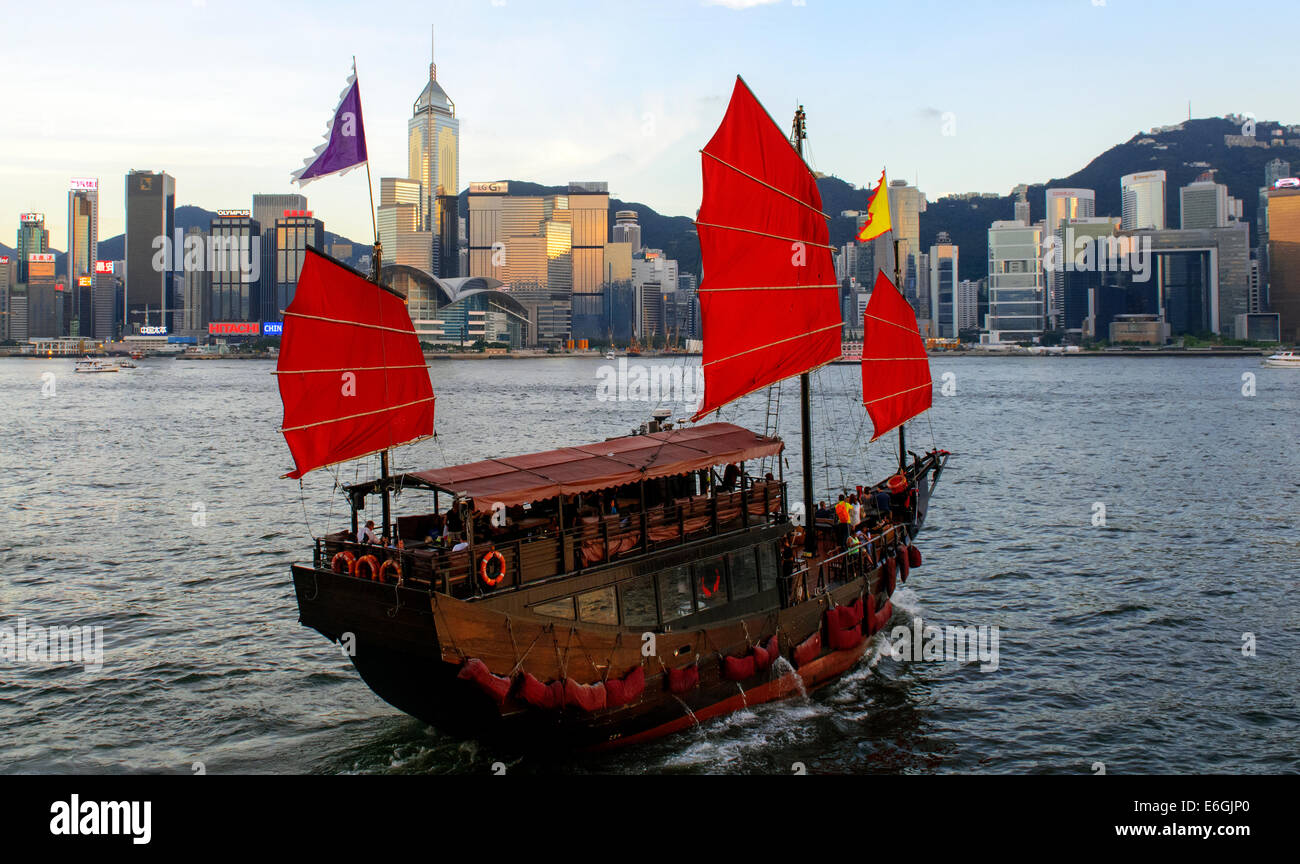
[{"x": 433, "y": 67}]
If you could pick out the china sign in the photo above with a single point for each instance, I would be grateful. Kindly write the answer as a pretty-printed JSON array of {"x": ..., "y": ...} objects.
[
  {"x": 40, "y": 258},
  {"x": 272, "y": 328},
  {"x": 103, "y": 266},
  {"x": 235, "y": 328},
  {"x": 153, "y": 330},
  {"x": 31, "y": 217}
]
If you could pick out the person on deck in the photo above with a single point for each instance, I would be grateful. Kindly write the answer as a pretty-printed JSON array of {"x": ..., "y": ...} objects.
[
  {"x": 460, "y": 546},
  {"x": 367, "y": 532},
  {"x": 855, "y": 511},
  {"x": 842, "y": 517},
  {"x": 730, "y": 478}
]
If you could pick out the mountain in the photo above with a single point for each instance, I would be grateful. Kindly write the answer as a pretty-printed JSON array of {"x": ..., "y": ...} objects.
[{"x": 1184, "y": 152}]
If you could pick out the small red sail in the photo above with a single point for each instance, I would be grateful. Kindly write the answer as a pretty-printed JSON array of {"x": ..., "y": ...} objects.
[
  {"x": 896, "y": 384},
  {"x": 768, "y": 298},
  {"x": 353, "y": 379}
]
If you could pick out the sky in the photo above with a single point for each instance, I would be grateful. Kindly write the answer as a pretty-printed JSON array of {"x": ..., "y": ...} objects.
[{"x": 958, "y": 95}]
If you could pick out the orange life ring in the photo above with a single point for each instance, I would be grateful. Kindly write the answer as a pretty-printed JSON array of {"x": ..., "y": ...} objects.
[
  {"x": 717, "y": 584},
  {"x": 349, "y": 562},
  {"x": 369, "y": 561},
  {"x": 492, "y": 582},
  {"x": 896, "y": 484},
  {"x": 395, "y": 565}
]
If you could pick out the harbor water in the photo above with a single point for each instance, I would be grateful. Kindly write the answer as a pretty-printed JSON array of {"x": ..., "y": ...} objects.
[{"x": 1127, "y": 524}]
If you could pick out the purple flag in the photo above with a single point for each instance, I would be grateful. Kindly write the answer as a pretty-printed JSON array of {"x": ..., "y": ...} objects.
[{"x": 345, "y": 139}]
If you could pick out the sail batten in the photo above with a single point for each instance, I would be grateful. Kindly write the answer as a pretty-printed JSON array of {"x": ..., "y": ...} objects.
[
  {"x": 769, "y": 297},
  {"x": 352, "y": 376},
  {"x": 896, "y": 382}
]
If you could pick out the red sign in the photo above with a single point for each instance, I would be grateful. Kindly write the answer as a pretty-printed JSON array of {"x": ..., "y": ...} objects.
[
  {"x": 235, "y": 328},
  {"x": 4, "y": 259},
  {"x": 296, "y": 214},
  {"x": 103, "y": 266},
  {"x": 41, "y": 258}
]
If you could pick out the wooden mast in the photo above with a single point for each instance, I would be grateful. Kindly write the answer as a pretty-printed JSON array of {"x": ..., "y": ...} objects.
[
  {"x": 376, "y": 268},
  {"x": 902, "y": 427},
  {"x": 799, "y": 133}
]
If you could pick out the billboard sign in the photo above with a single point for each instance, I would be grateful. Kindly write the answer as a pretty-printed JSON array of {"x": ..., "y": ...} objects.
[{"x": 234, "y": 328}]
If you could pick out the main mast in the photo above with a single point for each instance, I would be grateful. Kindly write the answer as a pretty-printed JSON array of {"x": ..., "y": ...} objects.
[{"x": 799, "y": 133}]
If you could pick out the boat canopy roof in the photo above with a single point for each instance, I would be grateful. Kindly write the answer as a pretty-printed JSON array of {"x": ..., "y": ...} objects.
[{"x": 591, "y": 467}]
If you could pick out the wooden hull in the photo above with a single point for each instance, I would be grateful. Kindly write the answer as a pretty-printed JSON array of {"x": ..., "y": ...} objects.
[
  {"x": 410, "y": 645},
  {"x": 494, "y": 668}
]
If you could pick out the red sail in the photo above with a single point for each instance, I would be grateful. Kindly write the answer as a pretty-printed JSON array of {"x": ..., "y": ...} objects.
[
  {"x": 353, "y": 379},
  {"x": 768, "y": 298},
  {"x": 896, "y": 382}
]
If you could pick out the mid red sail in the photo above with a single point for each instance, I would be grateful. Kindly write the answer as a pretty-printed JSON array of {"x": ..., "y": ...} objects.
[
  {"x": 896, "y": 384},
  {"x": 353, "y": 379},
  {"x": 768, "y": 298}
]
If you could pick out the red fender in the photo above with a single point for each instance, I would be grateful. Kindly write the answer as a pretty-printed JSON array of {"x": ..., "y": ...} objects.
[
  {"x": 808, "y": 650},
  {"x": 546, "y": 696},
  {"x": 683, "y": 680},
  {"x": 495, "y": 686},
  {"x": 588, "y": 697},
  {"x": 903, "y": 568},
  {"x": 739, "y": 668},
  {"x": 623, "y": 691},
  {"x": 913, "y": 556},
  {"x": 765, "y": 654}
]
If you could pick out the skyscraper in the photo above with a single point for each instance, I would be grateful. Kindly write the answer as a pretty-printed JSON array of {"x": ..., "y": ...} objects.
[
  {"x": 433, "y": 142},
  {"x": 150, "y": 220},
  {"x": 1143, "y": 200},
  {"x": 589, "y": 217},
  {"x": 266, "y": 209},
  {"x": 33, "y": 239},
  {"x": 627, "y": 230},
  {"x": 1017, "y": 283},
  {"x": 1062, "y": 206},
  {"x": 83, "y": 245},
  {"x": 7, "y": 268},
  {"x": 294, "y": 232},
  {"x": 1284, "y": 260},
  {"x": 942, "y": 282},
  {"x": 1204, "y": 204},
  {"x": 233, "y": 295}
]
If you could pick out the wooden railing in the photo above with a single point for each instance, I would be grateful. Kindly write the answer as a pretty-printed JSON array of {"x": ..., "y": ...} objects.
[{"x": 591, "y": 541}]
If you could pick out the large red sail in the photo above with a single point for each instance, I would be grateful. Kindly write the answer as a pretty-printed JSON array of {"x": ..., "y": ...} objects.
[
  {"x": 768, "y": 298},
  {"x": 896, "y": 384},
  {"x": 353, "y": 379}
]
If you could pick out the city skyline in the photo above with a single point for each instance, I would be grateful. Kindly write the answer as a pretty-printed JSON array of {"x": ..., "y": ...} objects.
[{"x": 602, "y": 109}]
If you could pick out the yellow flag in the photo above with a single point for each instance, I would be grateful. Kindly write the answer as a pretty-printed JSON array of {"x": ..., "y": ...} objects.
[{"x": 877, "y": 213}]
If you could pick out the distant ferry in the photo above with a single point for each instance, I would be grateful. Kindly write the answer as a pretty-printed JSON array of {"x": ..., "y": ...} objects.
[
  {"x": 1284, "y": 360},
  {"x": 91, "y": 364}
]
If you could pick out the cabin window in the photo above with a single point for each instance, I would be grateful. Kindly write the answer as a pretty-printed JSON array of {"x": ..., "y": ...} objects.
[
  {"x": 744, "y": 576},
  {"x": 767, "y": 571},
  {"x": 639, "y": 602},
  {"x": 711, "y": 583},
  {"x": 597, "y": 607},
  {"x": 675, "y": 595},
  {"x": 562, "y": 608}
]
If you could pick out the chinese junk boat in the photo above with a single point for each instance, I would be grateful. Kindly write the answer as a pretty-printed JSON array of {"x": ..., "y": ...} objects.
[{"x": 607, "y": 593}]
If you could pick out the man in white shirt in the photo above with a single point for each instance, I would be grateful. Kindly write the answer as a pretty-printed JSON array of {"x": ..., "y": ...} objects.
[{"x": 367, "y": 533}]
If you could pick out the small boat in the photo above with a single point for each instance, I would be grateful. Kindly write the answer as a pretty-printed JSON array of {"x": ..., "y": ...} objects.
[
  {"x": 610, "y": 355},
  {"x": 126, "y": 364},
  {"x": 604, "y": 594},
  {"x": 1283, "y": 360},
  {"x": 93, "y": 364}
]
